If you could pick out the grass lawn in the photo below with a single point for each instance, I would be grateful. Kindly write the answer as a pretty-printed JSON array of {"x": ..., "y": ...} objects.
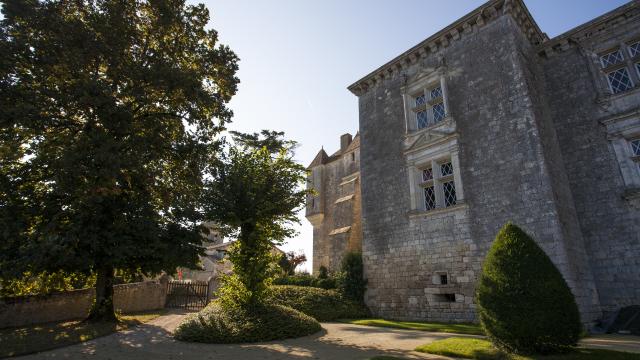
[
  {"x": 35, "y": 338},
  {"x": 470, "y": 329},
  {"x": 483, "y": 350}
]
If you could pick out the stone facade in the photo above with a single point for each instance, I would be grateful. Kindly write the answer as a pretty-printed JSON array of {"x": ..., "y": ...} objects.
[
  {"x": 334, "y": 209},
  {"x": 490, "y": 121}
]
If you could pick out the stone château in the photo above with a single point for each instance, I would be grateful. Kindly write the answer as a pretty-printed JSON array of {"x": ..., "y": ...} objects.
[
  {"x": 334, "y": 210},
  {"x": 485, "y": 122}
]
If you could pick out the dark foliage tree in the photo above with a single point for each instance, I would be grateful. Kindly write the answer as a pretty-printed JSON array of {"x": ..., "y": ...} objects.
[
  {"x": 254, "y": 195},
  {"x": 524, "y": 303},
  {"x": 109, "y": 111},
  {"x": 289, "y": 261},
  {"x": 273, "y": 141},
  {"x": 352, "y": 283}
]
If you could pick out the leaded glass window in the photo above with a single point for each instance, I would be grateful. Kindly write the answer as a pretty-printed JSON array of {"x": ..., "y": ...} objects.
[
  {"x": 436, "y": 92},
  {"x": 446, "y": 169},
  {"x": 427, "y": 174},
  {"x": 634, "y": 49},
  {"x": 438, "y": 112},
  {"x": 619, "y": 80},
  {"x": 421, "y": 100},
  {"x": 635, "y": 147},
  {"x": 422, "y": 118},
  {"x": 429, "y": 198},
  {"x": 612, "y": 58},
  {"x": 449, "y": 189}
]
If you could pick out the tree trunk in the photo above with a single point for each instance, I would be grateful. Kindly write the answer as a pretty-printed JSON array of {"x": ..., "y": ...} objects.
[{"x": 103, "y": 309}]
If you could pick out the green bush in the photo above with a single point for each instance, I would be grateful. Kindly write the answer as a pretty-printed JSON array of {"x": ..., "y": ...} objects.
[
  {"x": 352, "y": 283},
  {"x": 305, "y": 279},
  {"x": 264, "y": 322},
  {"x": 45, "y": 283},
  {"x": 524, "y": 304},
  {"x": 323, "y": 273},
  {"x": 323, "y": 305}
]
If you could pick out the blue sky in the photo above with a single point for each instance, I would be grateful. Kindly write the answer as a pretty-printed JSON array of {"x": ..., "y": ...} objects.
[{"x": 298, "y": 57}]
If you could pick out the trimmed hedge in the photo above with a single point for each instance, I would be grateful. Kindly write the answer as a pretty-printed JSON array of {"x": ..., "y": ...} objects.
[
  {"x": 352, "y": 283},
  {"x": 306, "y": 280},
  {"x": 218, "y": 325},
  {"x": 524, "y": 304},
  {"x": 323, "y": 305}
]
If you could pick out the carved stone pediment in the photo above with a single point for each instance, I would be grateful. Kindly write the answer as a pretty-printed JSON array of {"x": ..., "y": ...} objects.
[{"x": 430, "y": 136}]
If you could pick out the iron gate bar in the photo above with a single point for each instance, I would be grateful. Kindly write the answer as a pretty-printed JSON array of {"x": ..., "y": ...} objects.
[{"x": 188, "y": 295}]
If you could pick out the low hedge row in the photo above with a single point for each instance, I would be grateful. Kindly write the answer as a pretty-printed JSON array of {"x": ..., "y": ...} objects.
[
  {"x": 322, "y": 304},
  {"x": 307, "y": 280}
]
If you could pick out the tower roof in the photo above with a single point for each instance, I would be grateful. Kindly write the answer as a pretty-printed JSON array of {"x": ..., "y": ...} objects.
[{"x": 321, "y": 158}]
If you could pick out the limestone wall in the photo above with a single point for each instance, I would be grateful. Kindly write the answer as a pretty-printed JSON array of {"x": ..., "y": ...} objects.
[
  {"x": 581, "y": 108},
  {"x": 510, "y": 166},
  {"x": 143, "y": 296},
  {"x": 338, "y": 230}
]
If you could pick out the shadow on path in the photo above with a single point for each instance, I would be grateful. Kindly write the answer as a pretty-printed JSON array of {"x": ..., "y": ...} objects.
[{"x": 153, "y": 340}]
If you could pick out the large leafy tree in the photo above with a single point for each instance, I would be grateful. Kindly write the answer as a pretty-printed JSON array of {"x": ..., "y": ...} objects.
[
  {"x": 109, "y": 111},
  {"x": 254, "y": 194}
]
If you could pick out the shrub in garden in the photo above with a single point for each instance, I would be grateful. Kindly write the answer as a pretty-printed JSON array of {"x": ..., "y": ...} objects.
[
  {"x": 323, "y": 273},
  {"x": 524, "y": 304},
  {"x": 351, "y": 283},
  {"x": 305, "y": 279},
  {"x": 323, "y": 305},
  {"x": 263, "y": 322}
]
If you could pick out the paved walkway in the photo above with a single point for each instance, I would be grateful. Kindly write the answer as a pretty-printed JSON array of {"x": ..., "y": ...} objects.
[
  {"x": 336, "y": 341},
  {"x": 628, "y": 343}
]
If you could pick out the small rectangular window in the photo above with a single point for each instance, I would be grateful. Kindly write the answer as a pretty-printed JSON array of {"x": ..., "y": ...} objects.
[
  {"x": 635, "y": 147},
  {"x": 427, "y": 175},
  {"x": 444, "y": 297},
  {"x": 634, "y": 49},
  {"x": 429, "y": 198},
  {"x": 446, "y": 169},
  {"x": 436, "y": 93},
  {"x": 449, "y": 193},
  {"x": 443, "y": 279},
  {"x": 619, "y": 80},
  {"x": 438, "y": 112},
  {"x": 423, "y": 120},
  {"x": 612, "y": 58},
  {"x": 421, "y": 100}
]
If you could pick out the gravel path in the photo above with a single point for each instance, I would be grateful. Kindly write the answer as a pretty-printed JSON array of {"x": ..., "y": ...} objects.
[
  {"x": 336, "y": 341},
  {"x": 153, "y": 341}
]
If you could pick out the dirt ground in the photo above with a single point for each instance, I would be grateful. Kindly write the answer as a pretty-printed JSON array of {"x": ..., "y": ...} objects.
[{"x": 336, "y": 341}]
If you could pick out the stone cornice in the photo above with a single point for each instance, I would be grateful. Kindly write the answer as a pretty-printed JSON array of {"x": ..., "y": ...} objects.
[
  {"x": 592, "y": 28},
  {"x": 443, "y": 38}
]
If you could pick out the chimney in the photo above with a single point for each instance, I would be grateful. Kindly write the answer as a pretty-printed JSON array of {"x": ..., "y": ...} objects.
[{"x": 345, "y": 140}]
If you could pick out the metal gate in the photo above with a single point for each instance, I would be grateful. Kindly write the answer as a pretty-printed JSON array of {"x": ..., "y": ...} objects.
[{"x": 188, "y": 295}]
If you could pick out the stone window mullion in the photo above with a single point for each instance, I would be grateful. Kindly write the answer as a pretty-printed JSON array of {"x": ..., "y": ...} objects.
[
  {"x": 437, "y": 184},
  {"x": 445, "y": 95},
  {"x": 456, "y": 176}
]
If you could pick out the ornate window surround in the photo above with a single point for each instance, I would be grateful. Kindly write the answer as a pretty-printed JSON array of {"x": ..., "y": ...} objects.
[
  {"x": 621, "y": 130},
  {"x": 423, "y": 83},
  {"x": 430, "y": 151},
  {"x": 602, "y": 69}
]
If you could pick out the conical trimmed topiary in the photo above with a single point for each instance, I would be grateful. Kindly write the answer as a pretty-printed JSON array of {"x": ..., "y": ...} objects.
[{"x": 524, "y": 303}]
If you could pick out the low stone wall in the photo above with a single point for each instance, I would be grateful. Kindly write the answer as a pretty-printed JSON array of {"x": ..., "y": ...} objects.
[
  {"x": 69, "y": 305},
  {"x": 142, "y": 296}
]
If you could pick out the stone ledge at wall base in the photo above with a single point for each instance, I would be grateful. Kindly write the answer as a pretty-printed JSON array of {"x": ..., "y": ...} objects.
[{"x": 75, "y": 304}]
